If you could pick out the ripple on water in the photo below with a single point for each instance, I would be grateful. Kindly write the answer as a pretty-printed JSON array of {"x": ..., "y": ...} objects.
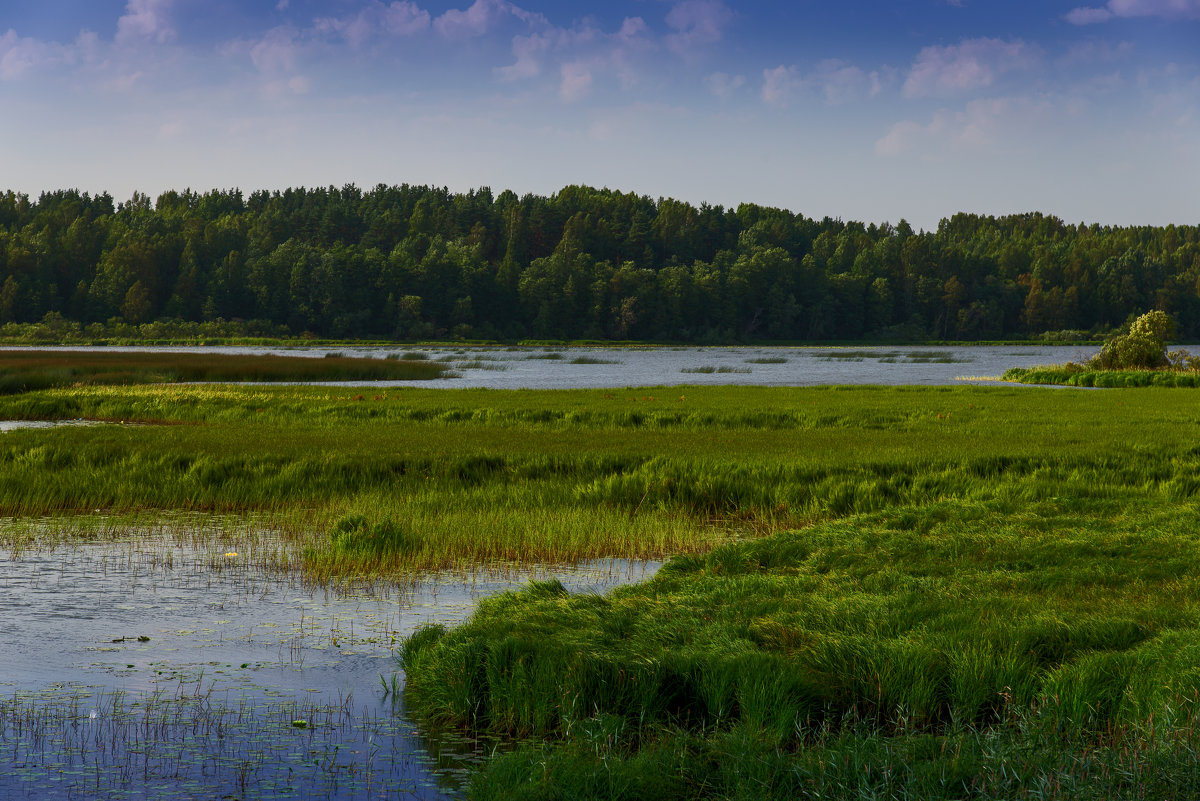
[{"x": 128, "y": 674}]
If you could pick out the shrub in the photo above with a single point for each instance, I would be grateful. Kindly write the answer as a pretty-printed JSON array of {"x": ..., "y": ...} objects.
[{"x": 1144, "y": 347}]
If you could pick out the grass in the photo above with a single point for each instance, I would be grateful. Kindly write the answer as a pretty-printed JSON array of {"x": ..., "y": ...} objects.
[
  {"x": 592, "y": 360},
  {"x": 923, "y": 645},
  {"x": 1073, "y": 375},
  {"x": 24, "y": 370},
  {"x": 875, "y": 592}
]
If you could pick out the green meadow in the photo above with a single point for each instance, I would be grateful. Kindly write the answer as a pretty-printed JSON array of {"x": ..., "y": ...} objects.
[{"x": 952, "y": 592}]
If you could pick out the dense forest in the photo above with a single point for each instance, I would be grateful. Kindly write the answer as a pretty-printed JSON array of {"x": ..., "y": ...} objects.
[{"x": 415, "y": 262}]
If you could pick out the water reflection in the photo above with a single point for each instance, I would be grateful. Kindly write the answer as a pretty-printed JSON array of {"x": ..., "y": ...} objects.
[
  {"x": 514, "y": 367},
  {"x": 154, "y": 670}
]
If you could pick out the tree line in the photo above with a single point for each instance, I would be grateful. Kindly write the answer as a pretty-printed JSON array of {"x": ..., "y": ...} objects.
[{"x": 419, "y": 262}]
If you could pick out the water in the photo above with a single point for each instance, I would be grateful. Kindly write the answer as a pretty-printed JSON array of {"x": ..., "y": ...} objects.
[
  {"x": 600, "y": 368},
  {"x": 154, "y": 670}
]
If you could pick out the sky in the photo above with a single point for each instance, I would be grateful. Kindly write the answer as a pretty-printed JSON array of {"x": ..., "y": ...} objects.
[{"x": 872, "y": 111}]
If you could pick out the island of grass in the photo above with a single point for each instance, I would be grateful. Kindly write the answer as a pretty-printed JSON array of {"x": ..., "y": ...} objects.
[
  {"x": 22, "y": 370},
  {"x": 873, "y": 592},
  {"x": 1138, "y": 358}
]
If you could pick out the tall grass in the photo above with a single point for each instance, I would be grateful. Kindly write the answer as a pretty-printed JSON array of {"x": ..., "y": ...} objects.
[
  {"x": 1080, "y": 376},
  {"x": 1056, "y": 634},
  {"x": 24, "y": 370}
]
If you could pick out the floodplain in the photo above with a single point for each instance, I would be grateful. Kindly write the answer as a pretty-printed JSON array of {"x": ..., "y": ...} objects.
[{"x": 869, "y": 592}]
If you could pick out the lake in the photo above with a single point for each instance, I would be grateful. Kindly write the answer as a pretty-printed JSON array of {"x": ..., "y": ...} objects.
[{"x": 599, "y": 368}]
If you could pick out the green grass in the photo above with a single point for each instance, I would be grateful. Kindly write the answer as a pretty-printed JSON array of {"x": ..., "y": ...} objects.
[
  {"x": 930, "y": 643},
  {"x": 1079, "y": 376},
  {"x": 24, "y": 370},
  {"x": 875, "y": 592}
]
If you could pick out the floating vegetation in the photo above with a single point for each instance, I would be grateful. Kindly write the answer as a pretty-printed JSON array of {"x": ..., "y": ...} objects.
[
  {"x": 707, "y": 369},
  {"x": 551, "y": 356},
  {"x": 767, "y": 360},
  {"x": 894, "y": 357},
  {"x": 593, "y": 360},
  {"x": 933, "y": 357},
  {"x": 482, "y": 364}
]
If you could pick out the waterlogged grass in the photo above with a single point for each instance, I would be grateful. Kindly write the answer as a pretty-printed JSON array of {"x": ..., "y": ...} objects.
[
  {"x": 592, "y": 360},
  {"x": 187, "y": 741},
  {"x": 708, "y": 369},
  {"x": 24, "y": 370}
]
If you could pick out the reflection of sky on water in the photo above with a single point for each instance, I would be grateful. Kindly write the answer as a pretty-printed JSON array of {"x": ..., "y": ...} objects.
[
  {"x": 597, "y": 368},
  {"x": 238, "y": 652}
]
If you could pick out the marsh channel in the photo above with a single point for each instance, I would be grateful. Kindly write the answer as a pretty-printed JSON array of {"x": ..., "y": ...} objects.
[{"x": 178, "y": 663}]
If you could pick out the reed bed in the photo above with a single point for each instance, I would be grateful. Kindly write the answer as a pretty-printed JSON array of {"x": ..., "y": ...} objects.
[{"x": 25, "y": 370}]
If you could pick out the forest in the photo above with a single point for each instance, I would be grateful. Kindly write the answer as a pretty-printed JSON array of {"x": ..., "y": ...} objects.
[{"x": 419, "y": 262}]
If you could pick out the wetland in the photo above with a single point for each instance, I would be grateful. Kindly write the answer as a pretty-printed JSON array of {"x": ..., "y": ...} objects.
[{"x": 866, "y": 591}]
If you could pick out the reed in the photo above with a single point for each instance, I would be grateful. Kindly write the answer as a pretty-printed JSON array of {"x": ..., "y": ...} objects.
[{"x": 25, "y": 370}]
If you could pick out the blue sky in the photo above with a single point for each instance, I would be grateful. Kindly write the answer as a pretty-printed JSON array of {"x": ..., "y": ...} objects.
[{"x": 860, "y": 110}]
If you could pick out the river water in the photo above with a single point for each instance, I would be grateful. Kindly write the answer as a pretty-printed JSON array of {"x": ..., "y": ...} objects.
[
  {"x": 150, "y": 670},
  {"x": 598, "y": 368}
]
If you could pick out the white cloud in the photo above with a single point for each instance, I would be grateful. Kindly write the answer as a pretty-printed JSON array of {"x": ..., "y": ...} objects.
[
  {"x": 983, "y": 126},
  {"x": 696, "y": 23},
  {"x": 971, "y": 64},
  {"x": 277, "y": 51},
  {"x": 1165, "y": 9},
  {"x": 1088, "y": 16},
  {"x": 528, "y": 51},
  {"x": 22, "y": 55},
  {"x": 145, "y": 20},
  {"x": 840, "y": 82},
  {"x": 582, "y": 55},
  {"x": 632, "y": 28},
  {"x": 833, "y": 80},
  {"x": 724, "y": 85},
  {"x": 481, "y": 17},
  {"x": 576, "y": 81},
  {"x": 779, "y": 83},
  {"x": 401, "y": 18},
  {"x": 18, "y": 55}
]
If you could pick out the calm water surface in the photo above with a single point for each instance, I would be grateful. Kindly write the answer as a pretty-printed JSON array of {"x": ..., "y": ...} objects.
[
  {"x": 582, "y": 368},
  {"x": 154, "y": 671}
]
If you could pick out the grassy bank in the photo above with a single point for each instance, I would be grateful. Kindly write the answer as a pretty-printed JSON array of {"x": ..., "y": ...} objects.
[
  {"x": 876, "y": 592},
  {"x": 1079, "y": 376},
  {"x": 25, "y": 370}
]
